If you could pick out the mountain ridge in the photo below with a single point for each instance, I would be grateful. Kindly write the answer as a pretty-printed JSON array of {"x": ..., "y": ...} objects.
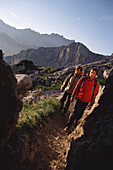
[
  {"x": 30, "y": 38},
  {"x": 70, "y": 55}
]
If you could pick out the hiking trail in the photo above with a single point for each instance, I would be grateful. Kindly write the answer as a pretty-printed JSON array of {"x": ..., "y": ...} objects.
[{"x": 54, "y": 143}]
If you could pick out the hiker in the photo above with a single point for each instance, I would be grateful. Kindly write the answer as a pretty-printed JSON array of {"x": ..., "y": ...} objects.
[
  {"x": 85, "y": 92},
  {"x": 69, "y": 85}
]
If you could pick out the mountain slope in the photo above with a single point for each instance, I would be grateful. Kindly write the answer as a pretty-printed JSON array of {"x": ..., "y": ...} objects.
[
  {"x": 73, "y": 54},
  {"x": 30, "y": 39},
  {"x": 7, "y": 44}
]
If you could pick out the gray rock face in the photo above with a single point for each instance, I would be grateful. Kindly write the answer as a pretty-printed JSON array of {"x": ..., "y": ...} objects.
[
  {"x": 10, "y": 104},
  {"x": 73, "y": 54},
  {"x": 94, "y": 150}
]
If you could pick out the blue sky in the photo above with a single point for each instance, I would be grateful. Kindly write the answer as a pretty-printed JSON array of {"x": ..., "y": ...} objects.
[{"x": 87, "y": 21}]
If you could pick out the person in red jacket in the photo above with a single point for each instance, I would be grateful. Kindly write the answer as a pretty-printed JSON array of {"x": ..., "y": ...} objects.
[{"x": 83, "y": 92}]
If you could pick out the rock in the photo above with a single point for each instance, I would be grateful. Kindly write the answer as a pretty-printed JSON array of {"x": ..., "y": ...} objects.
[
  {"x": 70, "y": 55},
  {"x": 63, "y": 72},
  {"x": 38, "y": 92},
  {"x": 52, "y": 92},
  {"x": 106, "y": 73},
  {"x": 34, "y": 76},
  {"x": 24, "y": 83},
  {"x": 33, "y": 96},
  {"x": 10, "y": 104}
]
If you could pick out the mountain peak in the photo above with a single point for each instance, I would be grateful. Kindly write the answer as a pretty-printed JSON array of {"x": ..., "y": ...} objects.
[
  {"x": 1, "y": 20},
  {"x": 2, "y": 23},
  {"x": 28, "y": 38}
]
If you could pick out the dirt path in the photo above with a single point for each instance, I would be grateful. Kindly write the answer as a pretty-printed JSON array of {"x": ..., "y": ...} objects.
[
  {"x": 52, "y": 140},
  {"x": 46, "y": 148},
  {"x": 54, "y": 143}
]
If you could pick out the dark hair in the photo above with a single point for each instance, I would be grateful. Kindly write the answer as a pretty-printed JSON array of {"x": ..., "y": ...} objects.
[
  {"x": 95, "y": 69},
  {"x": 79, "y": 67}
]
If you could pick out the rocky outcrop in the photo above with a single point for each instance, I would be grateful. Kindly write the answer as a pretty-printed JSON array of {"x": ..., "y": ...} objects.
[
  {"x": 24, "y": 83},
  {"x": 10, "y": 104},
  {"x": 94, "y": 150},
  {"x": 70, "y": 55}
]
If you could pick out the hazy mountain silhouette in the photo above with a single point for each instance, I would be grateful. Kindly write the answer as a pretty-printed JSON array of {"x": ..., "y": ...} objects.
[
  {"x": 27, "y": 38},
  {"x": 9, "y": 45}
]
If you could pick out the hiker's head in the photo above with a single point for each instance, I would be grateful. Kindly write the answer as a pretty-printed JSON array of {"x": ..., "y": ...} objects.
[
  {"x": 79, "y": 70},
  {"x": 1, "y": 54},
  {"x": 93, "y": 73}
]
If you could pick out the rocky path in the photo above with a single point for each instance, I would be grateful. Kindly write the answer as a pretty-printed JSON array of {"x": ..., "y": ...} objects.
[
  {"x": 47, "y": 147},
  {"x": 50, "y": 143},
  {"x": 54, "y": 142},
  {"x": 58, "y": 142}
]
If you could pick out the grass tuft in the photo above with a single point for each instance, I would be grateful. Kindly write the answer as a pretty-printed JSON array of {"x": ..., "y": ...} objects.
[{"x": 35, "y": 115}]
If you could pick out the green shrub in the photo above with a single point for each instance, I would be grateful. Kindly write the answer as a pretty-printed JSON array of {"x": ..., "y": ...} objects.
[
  {"x": 32, "y": 116},
  {"x": 28, "y": 64}
]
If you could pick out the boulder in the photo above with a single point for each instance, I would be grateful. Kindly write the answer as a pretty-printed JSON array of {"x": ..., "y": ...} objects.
[
  {"x": 10, "y": 104},
  {"x": 106, "y": 73},
  {"x": 24, "y": 83}
]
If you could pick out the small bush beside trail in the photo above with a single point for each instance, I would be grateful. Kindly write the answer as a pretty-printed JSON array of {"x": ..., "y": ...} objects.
[{"x": 35, "y": 115}]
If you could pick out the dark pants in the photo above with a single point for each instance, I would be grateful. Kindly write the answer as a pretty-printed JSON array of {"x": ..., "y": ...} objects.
[
  {"x": 66, "y": 96},
  {"x": 77, "y": 112}
]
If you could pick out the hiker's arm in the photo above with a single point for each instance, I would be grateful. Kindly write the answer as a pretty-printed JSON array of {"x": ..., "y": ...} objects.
[
  {"x": 65, "y": 83},
  {"x": 75, "y": 91}
]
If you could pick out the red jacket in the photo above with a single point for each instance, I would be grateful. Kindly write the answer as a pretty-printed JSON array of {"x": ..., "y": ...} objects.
[{"x": 85, "y": 91}]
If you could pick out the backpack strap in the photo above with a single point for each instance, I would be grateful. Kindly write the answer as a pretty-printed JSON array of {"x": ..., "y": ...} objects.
[
  {"x": 93, "y": 88},
  {"x": 84, "y": 78}
]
